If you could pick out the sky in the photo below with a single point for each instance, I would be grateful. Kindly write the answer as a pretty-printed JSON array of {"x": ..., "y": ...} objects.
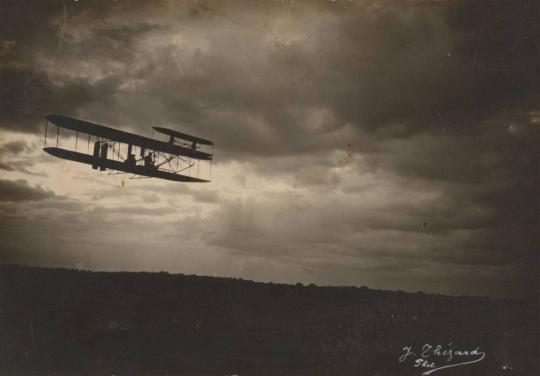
[{"x": 388, "y": 144}]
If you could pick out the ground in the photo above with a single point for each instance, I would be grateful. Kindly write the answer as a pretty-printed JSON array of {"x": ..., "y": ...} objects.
[{"x": 70, "y": 322}]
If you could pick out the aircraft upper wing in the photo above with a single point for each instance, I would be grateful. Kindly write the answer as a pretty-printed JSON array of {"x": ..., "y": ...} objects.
[
  {"x": 183, "y": 136},
  {"x": 124, "y": 137}
]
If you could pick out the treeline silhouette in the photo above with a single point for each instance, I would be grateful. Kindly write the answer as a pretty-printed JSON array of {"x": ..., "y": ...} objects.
[{"x": 70, "y": 322}]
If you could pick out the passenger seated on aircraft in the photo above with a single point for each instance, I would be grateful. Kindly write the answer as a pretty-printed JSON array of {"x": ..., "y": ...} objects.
[
  {"x": 149, "y": 160},
  {"x": 131, "y": 159}
]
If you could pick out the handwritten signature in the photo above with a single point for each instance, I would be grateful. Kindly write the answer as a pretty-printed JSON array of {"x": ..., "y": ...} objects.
[{"x": 434, "y": 358}]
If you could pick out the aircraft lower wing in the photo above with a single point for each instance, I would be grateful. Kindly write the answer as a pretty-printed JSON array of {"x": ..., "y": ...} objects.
[{"x": 120, "y": 166}]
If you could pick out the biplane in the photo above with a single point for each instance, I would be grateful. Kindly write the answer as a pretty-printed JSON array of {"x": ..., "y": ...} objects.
[{"x": 128, "y": 153}]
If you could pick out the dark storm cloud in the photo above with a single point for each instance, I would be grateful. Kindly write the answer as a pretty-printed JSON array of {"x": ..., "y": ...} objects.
[
  {"x": 20, "y": 190},
  {"x": 392, "y": 70},
  {"x": 68, "y": 233},
  {"x": 436, "y": 229},
  {"x": 19, "y": 156},
  {"x": 500, "y": 148},
  {"x": 30, "y": 95},
  {"x": 12, "y": 149},
  {"x": 6, "y": 166},
  {"x": 325, "y": 243},
  {"x": 21, "y": 165},
  {"x": 15, "y": 147},
  {"x": 54, "y": 19}
]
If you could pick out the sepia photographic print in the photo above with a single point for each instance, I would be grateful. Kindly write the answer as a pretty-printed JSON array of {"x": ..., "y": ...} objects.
[{"x": 269, "y": 187}]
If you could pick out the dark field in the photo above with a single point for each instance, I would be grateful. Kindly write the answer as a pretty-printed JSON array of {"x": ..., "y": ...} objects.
[{"x": 67, "y": 322}]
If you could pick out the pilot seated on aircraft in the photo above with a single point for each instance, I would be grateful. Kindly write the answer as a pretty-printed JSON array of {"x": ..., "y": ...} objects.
[{"x": 131, "y": 159}]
